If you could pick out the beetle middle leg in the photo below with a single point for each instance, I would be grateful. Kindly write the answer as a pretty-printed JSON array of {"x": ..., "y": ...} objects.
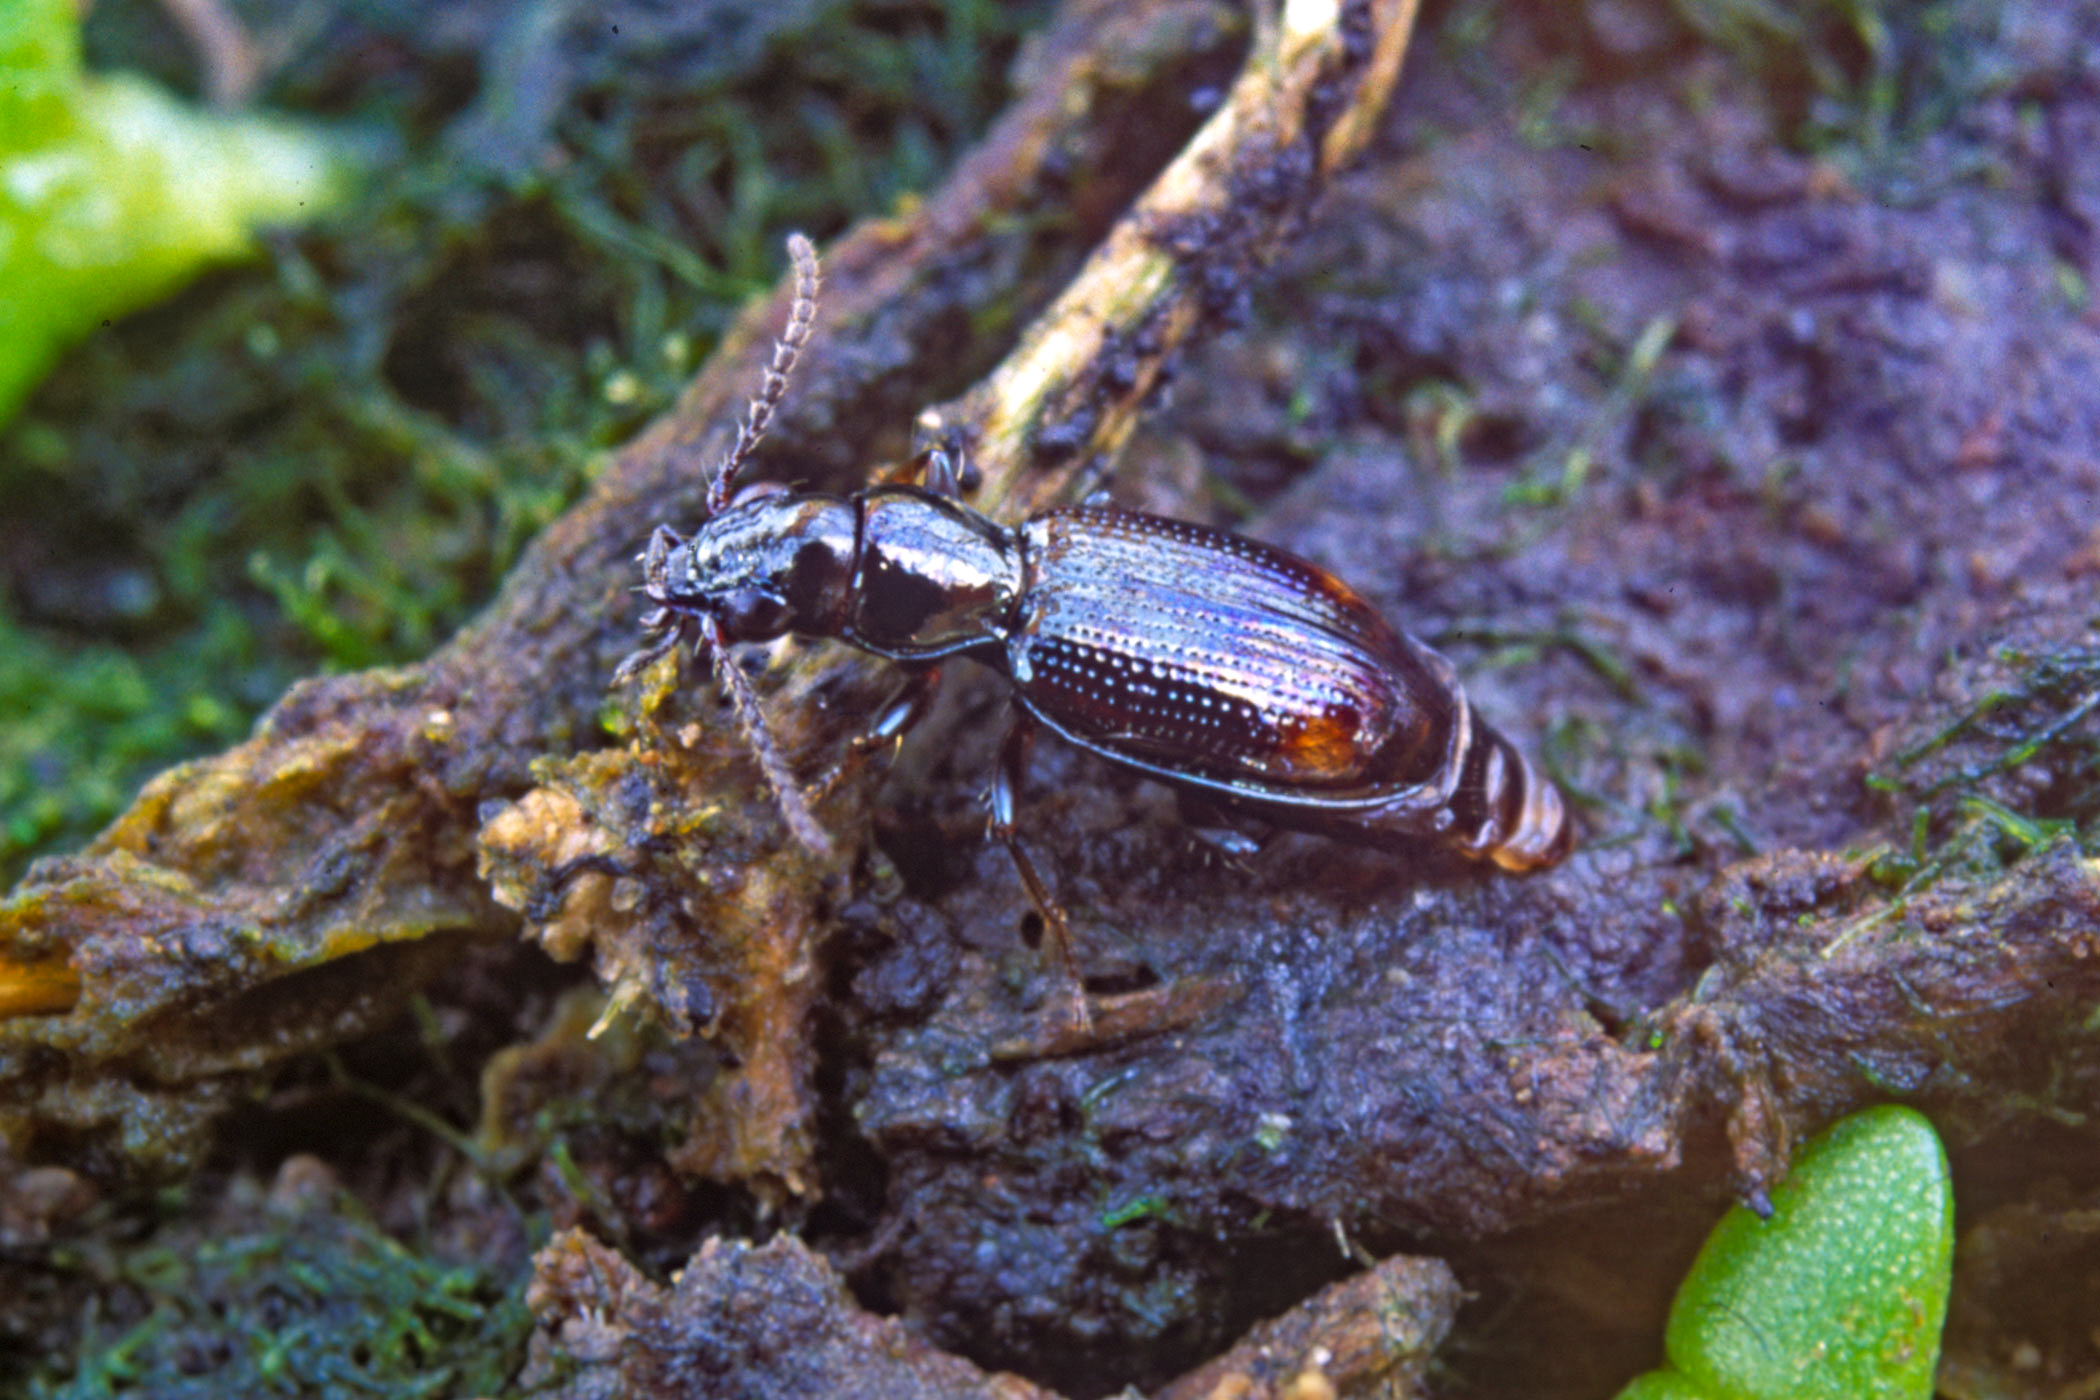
[
  {"x": 1006, "y": 784},
  {"x": 943, "y": 471},
  {"x": 1231, "y": 839}
]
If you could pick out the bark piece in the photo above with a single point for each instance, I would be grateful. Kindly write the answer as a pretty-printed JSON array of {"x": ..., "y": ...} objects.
[
  {"x": 751, "y": 1321},
  {"x": 1372, "y": 1335}
]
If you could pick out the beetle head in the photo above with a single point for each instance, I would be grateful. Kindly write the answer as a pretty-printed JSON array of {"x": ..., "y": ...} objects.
[
  {"x": 765, "y": 567},
  {"x": 762, "y": 565}
]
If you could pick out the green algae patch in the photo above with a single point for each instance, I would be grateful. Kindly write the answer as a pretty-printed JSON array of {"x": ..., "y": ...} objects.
[
  {"x": 1840, "y": 1293},
  {"x": 113, "y": 194}
]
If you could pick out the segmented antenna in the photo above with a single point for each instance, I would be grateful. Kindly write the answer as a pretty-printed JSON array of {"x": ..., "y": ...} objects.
[
  {"x": 802, "y": 318},
  {"x": 670, "y": 620},
  {"x": 787, "y": 793}
]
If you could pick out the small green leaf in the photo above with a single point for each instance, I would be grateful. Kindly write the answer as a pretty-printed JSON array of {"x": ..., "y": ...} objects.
[
  {"x": 113, "y": 194},
  {"x": 1663, "y": 1385},
  {"x": 1840, "y": 1294}
]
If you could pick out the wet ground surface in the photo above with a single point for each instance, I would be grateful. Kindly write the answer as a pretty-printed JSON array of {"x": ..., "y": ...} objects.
[{"x": 1729, "y": 477}]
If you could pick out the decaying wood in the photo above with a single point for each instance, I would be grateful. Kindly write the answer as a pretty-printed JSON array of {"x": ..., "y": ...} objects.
[
  {"x": 776, "y": 1321},
  {"x": 292, "y": 891},
  {"x": 1370, "y": 1336},
  {"x": 770, "y": 1322}
]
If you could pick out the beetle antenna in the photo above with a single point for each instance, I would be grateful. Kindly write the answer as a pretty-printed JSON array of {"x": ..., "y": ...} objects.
[
  {"x": 794, "y": 807},
  {"x": 802, "y": 317}
]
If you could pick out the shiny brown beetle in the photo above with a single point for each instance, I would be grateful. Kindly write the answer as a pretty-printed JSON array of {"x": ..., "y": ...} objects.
[{"x": 1254, "y": 683}]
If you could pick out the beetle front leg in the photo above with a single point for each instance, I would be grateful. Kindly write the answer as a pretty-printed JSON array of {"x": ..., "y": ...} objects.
[
  {"x": 897, "y": 719},
  {"x": 1006, "y": 784}
]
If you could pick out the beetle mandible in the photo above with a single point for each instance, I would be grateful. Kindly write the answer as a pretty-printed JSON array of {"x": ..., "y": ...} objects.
[{"x": 1249, "y": 680}]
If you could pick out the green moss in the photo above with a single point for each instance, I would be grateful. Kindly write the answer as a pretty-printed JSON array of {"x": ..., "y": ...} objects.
[
  {"x": 77, "y": 727},
  {"x": 2041, "y": 712},
  {"x": 1864, "y": 80},
  {"x": 1145, "y": 1207},
  {"x": 325, "y": 1307},
  {"x": 2031, "y": 734},
  {"x": 329, "y": 459}
]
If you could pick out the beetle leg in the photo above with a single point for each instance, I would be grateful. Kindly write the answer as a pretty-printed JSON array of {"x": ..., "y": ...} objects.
[
  {"x": 896, "y": 720},
  {"x": 656, "y": 560},
  {"x": 903, "y": 713},
  {"x": 1006, "y": 784},
  {"x": 940, "y": 470},
  {"x": 660, "y": 634},
  {"x": 942, "y": 474},
  {"x": 1220, "y": 831}
]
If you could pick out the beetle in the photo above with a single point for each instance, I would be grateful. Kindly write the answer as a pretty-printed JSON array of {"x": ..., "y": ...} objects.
[{"x": 1251, "y": 681}]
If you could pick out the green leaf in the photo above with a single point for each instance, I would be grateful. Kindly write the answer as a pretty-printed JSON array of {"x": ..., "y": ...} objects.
[
  {"x": 1664, "y": 1385},
  {"x": 1840, "y": 1294},
  {"x": 113, "y": 194}
]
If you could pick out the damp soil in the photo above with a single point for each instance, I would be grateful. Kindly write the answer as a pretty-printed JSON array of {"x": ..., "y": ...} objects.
[{"x": 1755, "y": 488}]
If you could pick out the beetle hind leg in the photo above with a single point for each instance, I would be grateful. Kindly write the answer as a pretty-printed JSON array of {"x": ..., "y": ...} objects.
[
  {"x": 1006, "y": 784},
  {"x": 1075, "y": 1024}
]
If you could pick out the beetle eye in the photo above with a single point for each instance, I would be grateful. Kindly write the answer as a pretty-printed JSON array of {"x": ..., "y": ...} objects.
[{"x": 750, "y": 615}]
